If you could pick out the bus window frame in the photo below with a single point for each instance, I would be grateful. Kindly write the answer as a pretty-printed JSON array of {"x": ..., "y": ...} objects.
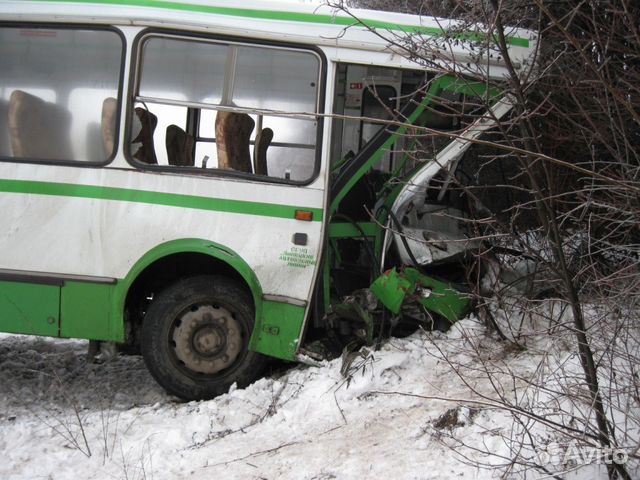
[
  {"x": 120, "y": 99},
  {"x": 133, "y": 98}
]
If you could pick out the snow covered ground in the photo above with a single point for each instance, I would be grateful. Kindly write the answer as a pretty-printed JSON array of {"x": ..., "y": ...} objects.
[{"x": 402, "y": 412}]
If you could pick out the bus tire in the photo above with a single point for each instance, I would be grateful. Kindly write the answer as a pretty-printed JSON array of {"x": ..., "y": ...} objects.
[{"x": 195, "y": 338}]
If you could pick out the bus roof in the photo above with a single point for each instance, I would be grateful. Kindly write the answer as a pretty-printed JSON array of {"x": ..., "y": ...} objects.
[{"x": 333, "y": 30}]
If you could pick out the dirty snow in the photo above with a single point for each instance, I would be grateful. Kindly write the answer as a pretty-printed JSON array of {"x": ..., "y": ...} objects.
[{"x": 402, "y": 412}]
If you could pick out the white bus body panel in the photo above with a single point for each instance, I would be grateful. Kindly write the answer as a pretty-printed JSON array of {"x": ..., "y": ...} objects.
[{"x": 105, "y": 238}]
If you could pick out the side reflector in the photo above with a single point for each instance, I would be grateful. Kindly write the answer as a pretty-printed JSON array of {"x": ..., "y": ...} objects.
[{"x": 304, "y": 215}]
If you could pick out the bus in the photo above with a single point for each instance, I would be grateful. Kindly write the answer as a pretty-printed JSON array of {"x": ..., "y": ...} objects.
[{"x": 216, "y": 185}]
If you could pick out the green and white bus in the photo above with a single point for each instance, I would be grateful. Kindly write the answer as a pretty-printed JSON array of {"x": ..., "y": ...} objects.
[{"x": 208, "y": 182}]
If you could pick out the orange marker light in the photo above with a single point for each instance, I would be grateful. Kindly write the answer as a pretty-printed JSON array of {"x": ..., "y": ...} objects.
[{"x": 304, "y": 215}]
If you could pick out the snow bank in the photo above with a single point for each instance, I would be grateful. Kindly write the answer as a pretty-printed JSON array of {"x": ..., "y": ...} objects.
[{"x": 400, "y": 412}]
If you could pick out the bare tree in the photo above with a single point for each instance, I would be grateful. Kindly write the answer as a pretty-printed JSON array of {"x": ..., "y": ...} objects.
[{"x": 569, "y": 159}]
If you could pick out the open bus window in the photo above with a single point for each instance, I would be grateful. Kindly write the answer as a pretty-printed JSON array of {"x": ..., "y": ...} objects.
[
  {"x": 230, "y": 107},
  {"x": 59, "y": 92}
]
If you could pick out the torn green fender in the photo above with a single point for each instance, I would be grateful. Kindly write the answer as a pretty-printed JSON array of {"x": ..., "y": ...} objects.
[{"x": 394, "y": 289}]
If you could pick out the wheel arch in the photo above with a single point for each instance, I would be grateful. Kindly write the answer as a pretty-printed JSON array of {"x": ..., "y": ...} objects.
[{"x": 177, "y": 259}]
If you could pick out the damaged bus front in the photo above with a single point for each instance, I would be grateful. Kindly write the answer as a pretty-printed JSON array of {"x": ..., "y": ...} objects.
[{"x": 398, "y": 240}]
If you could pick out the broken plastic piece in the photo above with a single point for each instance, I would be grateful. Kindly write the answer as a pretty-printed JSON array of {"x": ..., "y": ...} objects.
[{"x": 394, "y": 289}]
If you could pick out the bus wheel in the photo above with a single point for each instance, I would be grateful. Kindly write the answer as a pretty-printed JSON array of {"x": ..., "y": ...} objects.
[{"x": 195, "y": 338}]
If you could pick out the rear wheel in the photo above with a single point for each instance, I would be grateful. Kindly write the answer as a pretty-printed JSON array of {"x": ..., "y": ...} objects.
[{"x": 195, "y": 338}]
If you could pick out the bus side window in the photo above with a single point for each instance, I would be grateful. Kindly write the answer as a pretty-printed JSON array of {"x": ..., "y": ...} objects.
[
  {"x": 56, "y": 80},
  {"x": 236, "y": 101}
]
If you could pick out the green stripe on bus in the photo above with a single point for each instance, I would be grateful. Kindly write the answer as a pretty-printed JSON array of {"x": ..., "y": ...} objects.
[
  {"x": 156, "y": 198},
  {"x": 291, "y": 17}
]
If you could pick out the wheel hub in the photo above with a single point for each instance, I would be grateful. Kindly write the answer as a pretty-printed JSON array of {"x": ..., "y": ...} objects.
[{"x": 207, "y": 339}]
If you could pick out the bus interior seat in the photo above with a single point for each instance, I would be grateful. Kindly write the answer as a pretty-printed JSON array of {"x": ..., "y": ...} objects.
[
  {"x": 147, "y": 122},
  {"x": 5, "y": 145},
  {"x": 233, "y": 135},
  {"x": 38, "y": 129},
  {"x": 108, "y": 125},
  {"x": 263, "y": 140},
  {"x": 179, "y": 147}
]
